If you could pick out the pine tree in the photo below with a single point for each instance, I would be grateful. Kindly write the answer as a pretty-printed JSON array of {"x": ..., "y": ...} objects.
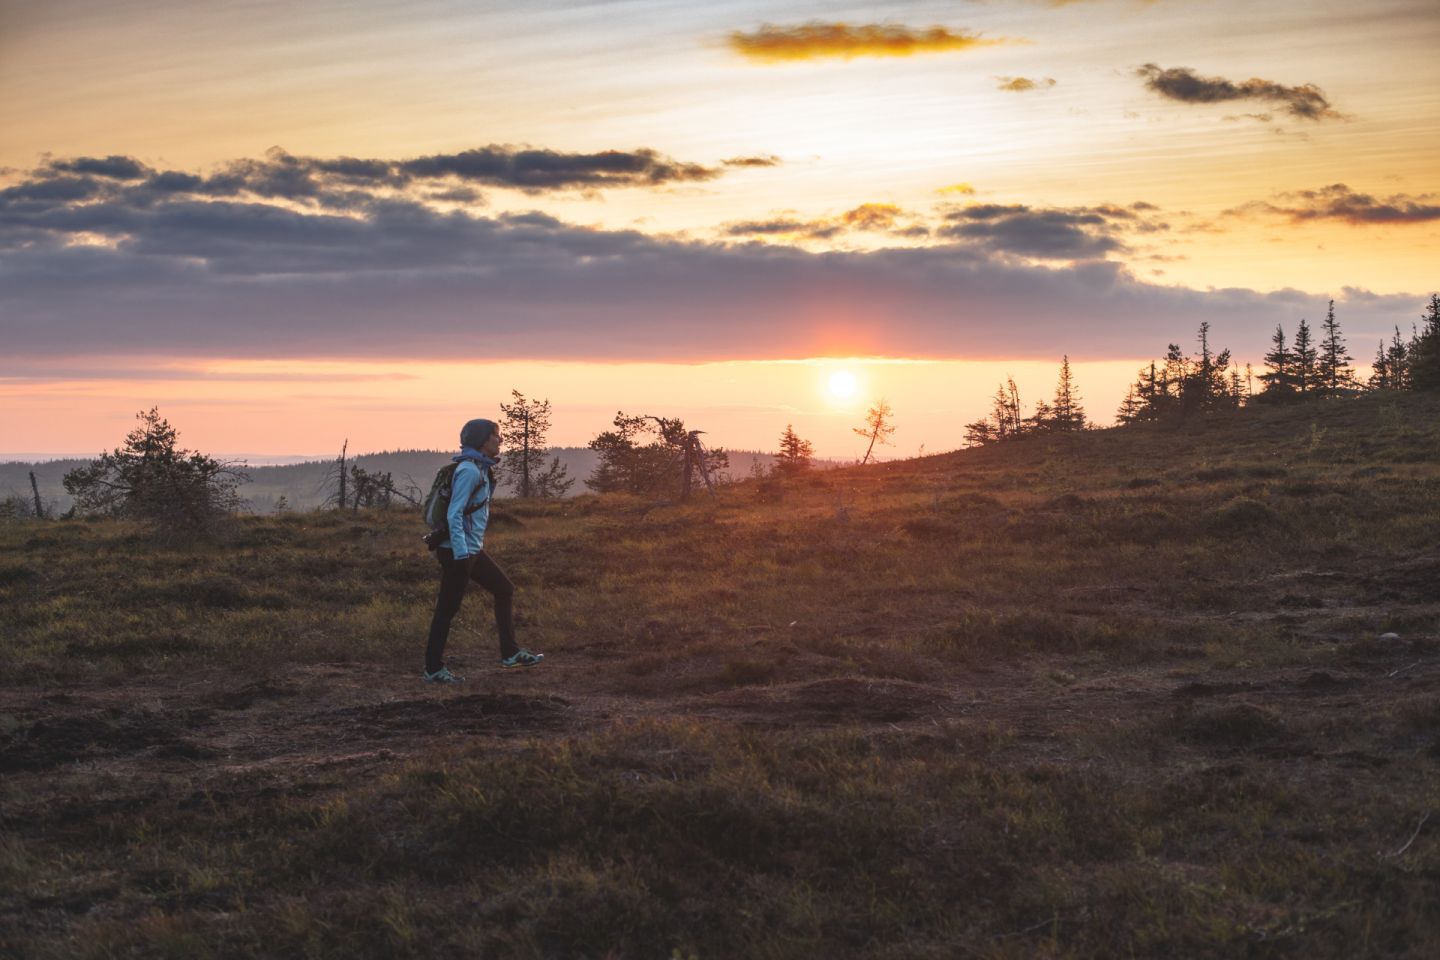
[
  {"x": 1131, "y": 408},
  {"x": 1379, "y": 370},
  {"x": 524, "y": 426},
  {"x": 795, "y": 454},
  {"x": 1066, "y": 414},
  {"x": 1397, "y": 363},
  {"x": 1202, "y": 394},
  {"x": 152, "y": 479},
  {"x": 1279, "y": 365},
  {"x": 1336, "y": 377},
  {"x": 1306, "y": 367},
  {"x": 1425, "y": 354}
]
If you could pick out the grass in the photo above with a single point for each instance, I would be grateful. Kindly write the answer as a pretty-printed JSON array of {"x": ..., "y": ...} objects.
[{"x": 1124, "y": 693}]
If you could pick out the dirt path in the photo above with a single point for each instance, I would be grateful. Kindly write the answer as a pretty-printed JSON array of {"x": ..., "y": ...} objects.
[{"x": 292, "y": 725}]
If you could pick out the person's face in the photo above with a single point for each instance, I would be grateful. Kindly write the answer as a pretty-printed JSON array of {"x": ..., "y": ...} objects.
[{"x": 491, "y": 447}]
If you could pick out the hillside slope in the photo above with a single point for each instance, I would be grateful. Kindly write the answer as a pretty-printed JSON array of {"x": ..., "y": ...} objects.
[{"x": 1134, "y": 692}]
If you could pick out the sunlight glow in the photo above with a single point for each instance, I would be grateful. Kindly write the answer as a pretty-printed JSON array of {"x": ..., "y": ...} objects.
[{"x": 842, "y": 384}]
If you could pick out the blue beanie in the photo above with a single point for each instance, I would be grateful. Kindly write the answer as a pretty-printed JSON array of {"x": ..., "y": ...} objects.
[{"x": 476, "y": 432}]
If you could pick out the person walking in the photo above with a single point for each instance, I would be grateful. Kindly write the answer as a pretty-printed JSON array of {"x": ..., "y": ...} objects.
[{"x": 462, "y": 554}]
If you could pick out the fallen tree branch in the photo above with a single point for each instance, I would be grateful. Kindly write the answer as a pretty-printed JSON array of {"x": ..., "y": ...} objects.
[{"x": 1392, "y": 856}]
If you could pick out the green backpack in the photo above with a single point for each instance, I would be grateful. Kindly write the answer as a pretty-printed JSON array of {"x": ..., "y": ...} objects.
[{"x": 436, "y": 509}]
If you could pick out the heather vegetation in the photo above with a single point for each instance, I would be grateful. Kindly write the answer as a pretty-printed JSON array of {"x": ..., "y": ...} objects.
[{"x": 1171, "y": 689}]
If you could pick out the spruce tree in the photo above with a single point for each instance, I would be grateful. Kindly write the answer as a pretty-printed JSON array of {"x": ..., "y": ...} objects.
[
  {"x": 1425, "y": 354},
  {"x": 795, "y": 454},
  {"x": 1397, "y": 363},
  {"x": 1201, "y": 392},
  {"x": 1335, "y": 373},
  {"x": 1306, "y": 368},
  {"x": 1379, "y": 370},
  {"x": 1279, "y": 366},
  {"x": 1131, "y": 408},
  {"x": 1066, "y": 413}
]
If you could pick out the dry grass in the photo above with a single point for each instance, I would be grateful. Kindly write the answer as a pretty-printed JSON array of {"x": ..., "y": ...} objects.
[{"x": 1123, "y": 693}]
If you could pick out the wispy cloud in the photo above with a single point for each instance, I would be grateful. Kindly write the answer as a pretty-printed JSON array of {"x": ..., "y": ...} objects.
[
  {"x": 1182, "y": 84},
  {"x": 815, "y": 40},
  {"x": 1339, "y": 203},
  {"x": 765, "y": 160},
  {"x": 877, "y": 217},
  {"x": 1024, "y": 84}
]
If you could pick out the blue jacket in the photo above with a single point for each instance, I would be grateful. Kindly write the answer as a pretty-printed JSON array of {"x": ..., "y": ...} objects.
[{"x": 471, "y": 485}]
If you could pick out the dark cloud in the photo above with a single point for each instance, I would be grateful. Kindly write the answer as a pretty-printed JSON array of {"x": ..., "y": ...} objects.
[
  {"x": 1024, "y": 84},
  {"x": 811, "y": 229},
  {"x": 816, "y": 40},
  {"x": 181, "y": 275},
  {"x": 1339, "y": 202},
  {"x": 1074, "y": 233},
  {"x": 1183, "y": 84},
  {"x": 350, "y": 183},
  {"x": 537, "y": 170}
]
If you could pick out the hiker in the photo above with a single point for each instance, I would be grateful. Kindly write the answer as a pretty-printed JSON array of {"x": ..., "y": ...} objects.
[{"x": 462, "y": 555}]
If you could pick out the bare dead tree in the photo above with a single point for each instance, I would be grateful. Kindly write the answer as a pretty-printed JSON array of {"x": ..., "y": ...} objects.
[{"x": 35, "y": 490}]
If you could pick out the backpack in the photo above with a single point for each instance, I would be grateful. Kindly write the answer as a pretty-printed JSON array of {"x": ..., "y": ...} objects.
[{"x": 436, "y": 509}]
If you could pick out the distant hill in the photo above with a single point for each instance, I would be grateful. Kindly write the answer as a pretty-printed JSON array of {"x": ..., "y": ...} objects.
[{"x": 306, "y": 485}]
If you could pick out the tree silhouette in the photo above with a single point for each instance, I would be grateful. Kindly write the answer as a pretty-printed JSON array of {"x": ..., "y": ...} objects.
[
  {"x": 1306, "y": 370},
  {"x": 653, "y": 468},
  {"x": 151, "y": 478},
  {"x": 525, "y": 424},
  {"x": 1335, "y": 374},
  {"x": 795, "y": 454},
  {"x": 1425, "y": 350},
  {"x": 1397, "y": 363},
  {"x": 878, "y": 427},
  {"x": 1279, "y": 363}
]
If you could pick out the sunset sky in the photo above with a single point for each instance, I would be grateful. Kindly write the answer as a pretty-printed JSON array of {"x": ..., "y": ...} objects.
[{"x": 289, "y": 224}]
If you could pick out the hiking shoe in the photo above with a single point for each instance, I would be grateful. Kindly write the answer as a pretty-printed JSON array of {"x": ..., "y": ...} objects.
[
  {"x": 522, "y": 658},
  {"x": 443, "y": 675}
]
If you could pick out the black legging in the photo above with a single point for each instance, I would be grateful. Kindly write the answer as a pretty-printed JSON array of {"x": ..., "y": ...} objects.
[{"x": 455, "y": 575}]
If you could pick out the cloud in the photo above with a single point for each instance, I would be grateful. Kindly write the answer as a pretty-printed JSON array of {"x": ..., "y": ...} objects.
[
  {"x": 1181, "y": 83},
  {"x": 125, "y": 272},
  {"x": 872, "y": 216},
  {"x": 113, "y": 167},
  {"x": 535, "y": 170},
  {"x": 963, "y": 189},
  {"x": 783, "y": 227},
  {"x": 1024, "y": 84},
  {"x": 817, "y": 40},
  {"x": 350, "y": 183},
  {"x": 878, "y": 217},
  {"x": 758, "y": 161},
  {"x": 1071, "y": 233},
  {"x": 1339, "y": 202}
]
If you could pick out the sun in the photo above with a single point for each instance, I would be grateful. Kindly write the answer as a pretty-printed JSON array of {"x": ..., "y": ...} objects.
[{"x": 842, "y": 384}]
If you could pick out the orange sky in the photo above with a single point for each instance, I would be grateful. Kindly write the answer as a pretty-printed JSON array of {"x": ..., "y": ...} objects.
[{"x": 288, "y": 223}]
